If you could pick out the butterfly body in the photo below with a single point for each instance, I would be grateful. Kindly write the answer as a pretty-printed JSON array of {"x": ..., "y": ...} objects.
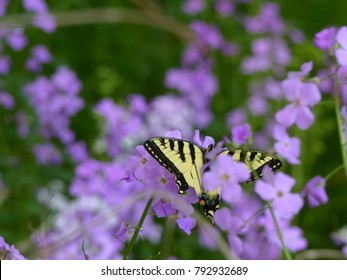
[{"x": 185, "y": 160}]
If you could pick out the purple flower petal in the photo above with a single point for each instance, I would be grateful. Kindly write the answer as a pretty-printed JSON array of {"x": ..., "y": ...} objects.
[
  {"x": 287, "y": 115},
  {"x": 304, "y": 117},
  {"x": 265, "y": 190},
  {"x": 341, "y": 37},
  {"x": 325, "y": 39},
  {"x": 341, "y": 56}
]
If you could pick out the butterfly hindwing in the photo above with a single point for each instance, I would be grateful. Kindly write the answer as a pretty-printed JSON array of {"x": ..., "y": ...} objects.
[{"x": 255, "y": 161}]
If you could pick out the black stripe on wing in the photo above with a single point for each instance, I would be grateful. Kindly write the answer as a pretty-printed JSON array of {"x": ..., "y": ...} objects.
[{"x": 155, "y": 151}]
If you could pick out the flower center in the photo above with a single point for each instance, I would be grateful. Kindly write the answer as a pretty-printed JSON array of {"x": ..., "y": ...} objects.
[
  {"x": 143, "y": 161},
  {"x": 225, "y": 177},
  {"x": 163, "y": 180},
  {"x": 297, "y": 102}
]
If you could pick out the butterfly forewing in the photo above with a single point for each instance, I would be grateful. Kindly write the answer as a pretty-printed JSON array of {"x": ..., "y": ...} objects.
[{"x": 181, "y": 158}]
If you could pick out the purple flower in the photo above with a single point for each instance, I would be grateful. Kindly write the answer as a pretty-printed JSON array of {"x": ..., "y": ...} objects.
[
  {"x": 36, "y": 6},
  {"x": 163, "y": 209},
  {"x": 267, "y": 53},
  {"x": 16, "y": 39},
  {"x": 204, "y": 142},
  {"x": 305, "y": 69},
  {"x": 233, "y": 226},
  {"x": 341, "y": 53},
  {"x": 236, "y": 117},
  {"x": 9, "y": 252},
  {"x": 226, "y": 174},
  {"x": 186, "y": 224},
  {"x": 315, "y": 191},
  {"x": 241, "y": 133},
  {"x": 288, "y": 147},
  {"x": 276, "y": 189},
  {"x": 302, "y": 96},
  {"x": 6, "y": 100},
  {"x": 193, "y": 7},
  {"x": 45, "y": 21},
  {"x": 293, "y": 238},
  {"x": 225, "y": 7},
  {"x": 47, "y": 154},
  {"x": 257, "y": 104},
  {"x": 268, "y": 20},
  {"x": 122, "y": 232},
  {"x": 5, "y": 64},
  {"x": 39, "y": 55},
  {"x": 78, "y": 151},
  {"x": 3, "y": 7},
  {"x": 325, "y": 39},
  {"x": 340, "y": 238},
  {"x": 55, "y": 102},
  {"x": 209, "y": 35}
]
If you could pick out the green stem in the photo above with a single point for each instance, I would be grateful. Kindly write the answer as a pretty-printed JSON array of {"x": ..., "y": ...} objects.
[
  {"x": 279, "y": 233},
  {"x": 339, "y": 124},
  {"x": 332, "y": 173},
  {"x": 137, "y": 228}
]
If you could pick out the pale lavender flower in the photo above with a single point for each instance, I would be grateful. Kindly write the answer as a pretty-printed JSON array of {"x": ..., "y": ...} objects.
[
  {"x": 241, "y": 133},
  {"x": 236, "y": 117},
  {"x": 267, "y": 53},
  {"x": 9, "y": 252},
  {"x": 315, "y": 191},
  {"x": 297, "y": 36},
  {"x": 56, "y": 101},
  {"x": 272, "y": 88},
  {"x": 166, "y": 105},
  {"x": 293, "y": 238},
  {"x": 325, "y": 39},
  {"x": 163, "y": 209},
  {"x": 186, "y": 224},
  {"x": 204, "y": 142},
  {"x": 3, "y": 7},
  {"x": 276, "y": 189},
  {"x": 305, "y": 69},
  {"x": 6, "y": 100},
  {"x": 341, "y": 53},
  {"x": 209, "y": 35},
  {"x": 225, "y": 7},
  {"x": 5, "y": 64},
  {"x": 47, "y": 154},
  {"x": 193, "y": 7},
  {"x": 36, "y": 6},
  {"x": 78, "y": 151},
  {"x": 45, "y": 21},
  {"x": 16, "y": 39},
  {"x": 39, "y": 55},
  {"x": 121, "y": 125},
  {"x": 65, "y": 80},
  {"x": 268, "y": 20},
  {"x": 226, "y": 174},
  {"x": 340, "y": 238},
  {"x": 257, "y": 104},
  {"x": 233, "y": 226},
  {"x": 288, "y": 147},
  {"x": 302, "y": 96},
  {"x": 122, "y": 232}
]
